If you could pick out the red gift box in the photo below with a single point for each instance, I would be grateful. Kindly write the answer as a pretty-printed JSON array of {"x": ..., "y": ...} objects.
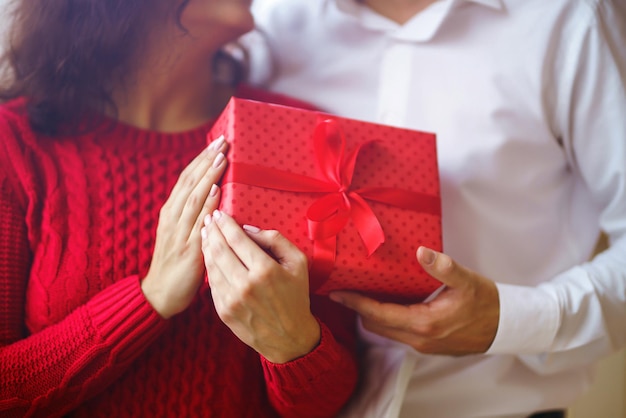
[{"x": 358, "y": 198}]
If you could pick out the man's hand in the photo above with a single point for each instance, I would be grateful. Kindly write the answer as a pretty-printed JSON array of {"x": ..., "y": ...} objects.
[{"x": 462, "y": 319}]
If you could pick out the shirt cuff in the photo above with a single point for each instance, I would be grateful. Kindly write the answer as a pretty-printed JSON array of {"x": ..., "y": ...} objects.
[
  {"x": 124, "y": 318},
  {"x": 529, "y": 320}
]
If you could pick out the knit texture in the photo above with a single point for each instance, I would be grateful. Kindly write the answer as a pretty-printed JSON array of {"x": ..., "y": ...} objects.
[{"x": 78, "y": 217}]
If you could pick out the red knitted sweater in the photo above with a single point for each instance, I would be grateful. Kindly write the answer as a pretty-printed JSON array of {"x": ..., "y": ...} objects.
[{"x": 77, "y": 224}]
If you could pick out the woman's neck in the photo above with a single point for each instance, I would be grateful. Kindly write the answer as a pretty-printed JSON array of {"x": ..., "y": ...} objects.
[{"x": 171, "y": 92}]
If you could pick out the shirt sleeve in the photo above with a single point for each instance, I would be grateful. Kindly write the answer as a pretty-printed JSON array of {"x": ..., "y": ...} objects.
[
  {"x": 581, "y": 311},
  {"x": 319, "y": 383},
  {"x": 49, "y": 372}
]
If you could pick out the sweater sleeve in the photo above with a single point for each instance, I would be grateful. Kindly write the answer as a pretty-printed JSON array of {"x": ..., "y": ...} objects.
[
  {"x": 319, "y": 383},
  {"x": 49, "y": 372}
]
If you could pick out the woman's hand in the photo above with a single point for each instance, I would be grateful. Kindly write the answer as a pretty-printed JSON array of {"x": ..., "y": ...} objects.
[
  {"x": 260, "y": 287},
  {"x": 462, "y": 319},
  {"x": 176, "y": 270}
]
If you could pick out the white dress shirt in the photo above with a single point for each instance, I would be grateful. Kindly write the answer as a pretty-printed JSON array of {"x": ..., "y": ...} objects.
[{"x": 528, "y": 101}]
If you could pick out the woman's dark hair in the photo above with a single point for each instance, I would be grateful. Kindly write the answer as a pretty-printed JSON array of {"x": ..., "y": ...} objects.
[{"x": 65, "y": 56}]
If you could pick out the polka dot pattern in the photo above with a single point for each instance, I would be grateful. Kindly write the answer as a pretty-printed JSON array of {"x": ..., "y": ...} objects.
[{"x": 280, "y": 137}]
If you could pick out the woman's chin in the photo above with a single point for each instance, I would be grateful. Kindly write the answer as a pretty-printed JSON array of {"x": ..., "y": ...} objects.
[{"x": 232, "y": 20}]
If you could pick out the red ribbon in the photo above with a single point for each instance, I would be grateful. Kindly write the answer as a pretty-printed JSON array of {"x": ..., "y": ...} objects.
[{"x": 328, "y": 215}]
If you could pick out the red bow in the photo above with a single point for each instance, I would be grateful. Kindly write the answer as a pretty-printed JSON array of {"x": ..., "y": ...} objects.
[{"x": 328, "y": 215}]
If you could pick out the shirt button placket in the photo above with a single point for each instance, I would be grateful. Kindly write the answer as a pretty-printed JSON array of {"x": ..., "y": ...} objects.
[{"x": 394, "y": 83}]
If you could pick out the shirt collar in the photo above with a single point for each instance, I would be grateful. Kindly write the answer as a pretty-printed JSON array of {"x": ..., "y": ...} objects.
[
  {"x": 350, "y": 5},
  {"x": 494, "y": 4},
  {"x": 420, "y": 28}
]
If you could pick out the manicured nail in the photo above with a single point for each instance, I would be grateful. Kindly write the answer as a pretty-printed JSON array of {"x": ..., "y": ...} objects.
[
  {"x": 217, "y": 214},
  {"x": 428, "y": 256},
  {"x": 218, "y": 160},
  {"x": 213, "y": 191},
  {"x": 252, "y": 229},
  {"x": 207, "y": 220},
  {"x": 203, "y": 233},
  {"x": 217, "y": 143}
]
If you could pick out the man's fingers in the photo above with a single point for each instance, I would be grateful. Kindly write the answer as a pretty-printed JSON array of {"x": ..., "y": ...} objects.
[
  {"x": 385, "y": 314},
  {"x": 397, "y": 334},
  {"x": 443, "y": 268}
]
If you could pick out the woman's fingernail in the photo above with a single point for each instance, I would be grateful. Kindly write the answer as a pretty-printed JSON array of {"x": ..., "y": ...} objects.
[
  {"x": 203, "y": 233},
  {"x": 252, "y": 229},
  {"x": 207, "y": 220},
  {"x": 217, "y": 143},
  {"x": 218, "y": 160},
  {"x": 428, "y": 256},
  {"x": 217, "y": 214},
  {"x": 213, "y": 191}
]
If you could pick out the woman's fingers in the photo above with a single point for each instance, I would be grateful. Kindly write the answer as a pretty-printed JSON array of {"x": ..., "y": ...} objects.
[
  {"x": 208, "y": 154},
  {"x": 220, "y": 257},
  {"x": 284, "y": 251},
  {"x": 194, "y": 183},
  {"x": 250, "y": 247},
  {"x": 177, "y": 268},
  {"x": 198, "y": 196},
  {"x": 210, "y": 204},
  {"x": 241, "y": 245},
  {"x": 263, "y": 302}
]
